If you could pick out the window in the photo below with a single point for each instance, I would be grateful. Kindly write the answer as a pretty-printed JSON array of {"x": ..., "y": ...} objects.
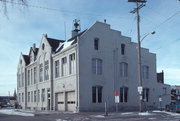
[
  {"x": 43, "y": 95},
  {"x": 96, "y": 66},
  {"x": 96, "y": 43},
  {"x": 97, "y": 94},
  {"x": 38, "y": 96},
  {"x": 28, "y": 96},
  {"x": 57, "y": 69},
  {"x": 34, "y": 75},
  {"x": 28, "y": 77},
  {"x": 31, "y": 96},
  {"x": 22, "y": 97},
  {"x": 43, "y": 46},
  {"x": 31, "y": 76},
  {"x": 19, "y": 97},
  {"x": 35, "y": 96},
  {"x": 64, "y": 66},
  {"x": 145, "y": 72},
  {"x": 122, "y": 49},
  {"x": 123, "y": 69},
  {"x": 22, "y": 79},
  {"x": 46, "y": 70},
  {"x": 41, "y": 72},
  {"x": 72, "y": 64},
  {"x": 145, "y": 94},
  {"x": 123, "y": 94}
]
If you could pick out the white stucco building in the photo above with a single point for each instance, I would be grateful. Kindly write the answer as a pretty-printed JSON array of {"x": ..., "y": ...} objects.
[{"x": 82, "y": 73}]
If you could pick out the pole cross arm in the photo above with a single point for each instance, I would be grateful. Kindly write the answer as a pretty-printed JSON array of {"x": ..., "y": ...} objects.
[{"x": 142, "y": 1}]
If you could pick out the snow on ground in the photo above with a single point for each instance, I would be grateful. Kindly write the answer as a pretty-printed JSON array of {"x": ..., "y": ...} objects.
[
  {"x": 170, "y": 113},
  {"x": 99, "y": 116},
  {"x": 151, "y": 118},
  {"x": 127, "y": 113},
  {"x": 60, "y": 120},
  {"x": 15, "y": 112},
  {"x": 145, "y": 114}
]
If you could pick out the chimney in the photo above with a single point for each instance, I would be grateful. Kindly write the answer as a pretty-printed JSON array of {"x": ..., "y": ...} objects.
[
  {"x": 34, "y": 47},
  {"x": 76, "y": 28}
]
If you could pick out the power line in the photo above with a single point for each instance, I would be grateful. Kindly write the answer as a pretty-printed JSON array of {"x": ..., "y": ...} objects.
[
  {"x": 167, "y": 44},
  {"x": 46, "y": 8},
  {"x": 169, "y": 18}
]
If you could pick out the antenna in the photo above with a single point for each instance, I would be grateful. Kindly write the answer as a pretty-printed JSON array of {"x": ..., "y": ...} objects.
[{"x": 65, "y": 31}]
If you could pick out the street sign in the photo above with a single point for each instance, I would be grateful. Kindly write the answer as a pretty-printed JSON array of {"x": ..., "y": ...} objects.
[
  {"x": 116, "y": 99},
  {"x": 160, "y": 99},
  {"x": 116, "y": 93},
  {"x": 140, "y": 89}
]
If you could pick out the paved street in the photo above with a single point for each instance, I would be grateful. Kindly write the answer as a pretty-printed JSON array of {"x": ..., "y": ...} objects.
[{"x": 129, "y": 116}]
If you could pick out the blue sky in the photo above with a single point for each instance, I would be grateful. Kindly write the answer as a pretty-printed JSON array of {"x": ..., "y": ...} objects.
[{"x": 25, "y": 26}]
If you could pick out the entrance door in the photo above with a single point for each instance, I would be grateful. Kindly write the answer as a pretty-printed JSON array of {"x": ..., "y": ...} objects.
[
  {"x": 71, "y": 101},
  {"x": 60, "y": 102}
]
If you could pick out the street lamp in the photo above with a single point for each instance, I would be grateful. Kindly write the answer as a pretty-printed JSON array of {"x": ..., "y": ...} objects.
[
  {"x": 153, "y": 32},
  {"x": 140, "y": 87}
]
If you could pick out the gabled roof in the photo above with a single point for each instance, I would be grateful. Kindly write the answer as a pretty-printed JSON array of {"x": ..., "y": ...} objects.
[
  {"x": 54, "y": 43},
  {"x": 69, "y": 42},
  {"x": 27, "y": 59},
  {"x": 36, "y": 51},
  {"x": 75, "y": 37}
]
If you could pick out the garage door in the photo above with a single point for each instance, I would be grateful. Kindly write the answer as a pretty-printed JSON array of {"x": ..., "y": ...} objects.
[
  {"x": 71, "y": 101},
  {"x": 60, "y": 102}
]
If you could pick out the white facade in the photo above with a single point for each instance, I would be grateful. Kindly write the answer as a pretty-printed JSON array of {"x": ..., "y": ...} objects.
[{"x": 83, "y": 73}]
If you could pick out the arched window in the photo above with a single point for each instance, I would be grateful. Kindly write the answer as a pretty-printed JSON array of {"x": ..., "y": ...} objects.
[
  {"x": 145, "y": 72},
  {"x": 96, "y": 43},
  {"x": 43, "y": 46}
]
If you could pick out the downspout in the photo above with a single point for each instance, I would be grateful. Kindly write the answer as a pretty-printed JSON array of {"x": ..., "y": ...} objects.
[
  {"x": 77, "y": 75},
  {"x": 52, "y": 83}
]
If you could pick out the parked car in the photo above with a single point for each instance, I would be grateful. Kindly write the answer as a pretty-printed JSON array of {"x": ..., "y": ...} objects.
[{"x": 173, "y": 106}]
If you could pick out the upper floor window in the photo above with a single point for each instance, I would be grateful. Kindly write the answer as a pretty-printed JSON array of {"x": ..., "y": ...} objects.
[
  {"x": 43, "y": 46},
  {"x": 96, "y": 43},
  {"x": 31, "y": 76},
  {"x": 123, "y": 69},
  {"x": 35, "y": 75},
  {"x": 97, "y": 66},
  {"x": 97, "y": 94},
  {"x": 22, "y": 80},
  {"x": 57, "y": 69},
  {"x": 72, "y": 63},
  {"x": 28, "y": 77},
  {"x": 64, "y": 66},
  {"x": 145, "y": 94},
  {"x": 41, "y": 72},
  {"x": 46, "y": 70},
  {"x": 123, "y": 94},
  {"x": 145, "y": 72},
  {"x": 122, "y": 49}
]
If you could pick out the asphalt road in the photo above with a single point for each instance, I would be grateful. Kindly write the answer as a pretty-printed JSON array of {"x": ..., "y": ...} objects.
[{"x": 91, "y": 117}]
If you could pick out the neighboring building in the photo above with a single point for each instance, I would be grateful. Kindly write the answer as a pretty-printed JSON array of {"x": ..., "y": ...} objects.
[
  {"x": 160, "y": 77},
  {"x": 175, "y": 93},
  {"x": 7, "y": 100},
  {"x": 82, "y": 73}
]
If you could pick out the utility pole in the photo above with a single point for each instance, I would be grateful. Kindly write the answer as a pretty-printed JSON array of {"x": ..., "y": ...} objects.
[{"x": 139, "y": 5}]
